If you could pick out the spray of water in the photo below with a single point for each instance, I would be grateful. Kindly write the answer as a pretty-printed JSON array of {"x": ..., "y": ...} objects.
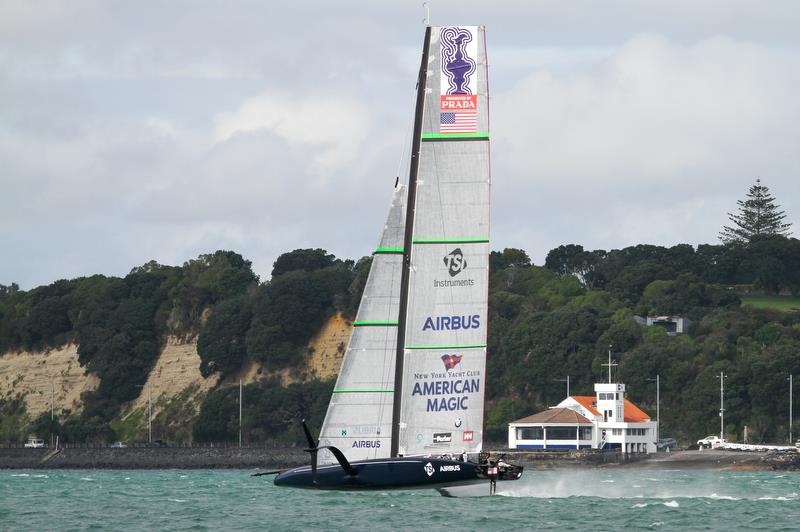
[{"x": 650, "y": 485}]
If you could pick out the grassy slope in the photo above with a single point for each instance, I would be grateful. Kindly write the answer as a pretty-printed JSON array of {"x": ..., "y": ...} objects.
[{"x": 784, "y": 303}]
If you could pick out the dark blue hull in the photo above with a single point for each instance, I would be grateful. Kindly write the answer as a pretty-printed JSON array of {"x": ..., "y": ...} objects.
[{"x": 385, "y": 473}]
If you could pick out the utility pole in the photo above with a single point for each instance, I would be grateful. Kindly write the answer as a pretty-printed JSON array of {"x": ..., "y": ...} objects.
[
  {"x": 564, "y": 380},
  {"x": 150, "y": 412},
  {"x": 52, "y": 408},
  {"x": 658, "y": 404},
  {"x": 791, "y": 440},
  {"x": 240, "y": 413},
  {"x": 721, "y": 406}
]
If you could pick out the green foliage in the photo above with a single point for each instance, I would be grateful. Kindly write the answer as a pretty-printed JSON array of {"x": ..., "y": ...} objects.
[
  {"x": 306, "y": 260},
  {"x": 13, "y": 420},
  {"x": 545, "y": 323},
  {"x": 222, "y": 344},
  {"x": 269, "y": 412}
]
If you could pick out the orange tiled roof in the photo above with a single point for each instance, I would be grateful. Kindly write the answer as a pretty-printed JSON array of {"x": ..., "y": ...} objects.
[
  {"x": 555, "y": 415},
  {"x": 633, "y": 414},
  {"x": 588, "y": 402}
]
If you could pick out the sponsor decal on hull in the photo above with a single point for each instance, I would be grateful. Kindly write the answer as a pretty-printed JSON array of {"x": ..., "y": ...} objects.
[{"x": 366, "y": 444}]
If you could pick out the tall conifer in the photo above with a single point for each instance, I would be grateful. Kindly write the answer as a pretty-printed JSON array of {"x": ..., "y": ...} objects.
[{"x": 758, "y": 215}]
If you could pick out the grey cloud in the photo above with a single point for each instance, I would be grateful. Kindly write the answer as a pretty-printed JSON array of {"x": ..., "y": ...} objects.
[{"x": 614, "y": 123}]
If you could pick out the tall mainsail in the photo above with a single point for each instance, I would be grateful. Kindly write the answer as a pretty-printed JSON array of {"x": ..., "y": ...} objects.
[
  {"x": 444, "y": 327},
  {"x": 429, "y": 281},
  {"x": 359, "y": 415}
]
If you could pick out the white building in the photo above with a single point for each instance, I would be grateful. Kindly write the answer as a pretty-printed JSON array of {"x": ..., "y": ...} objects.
[{"x": 604, "y": 421}]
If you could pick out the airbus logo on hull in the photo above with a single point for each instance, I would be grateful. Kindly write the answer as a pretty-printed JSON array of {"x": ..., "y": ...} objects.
[
  {"x": 452, "y": 323},
  {"x": 366, "y": 444}
]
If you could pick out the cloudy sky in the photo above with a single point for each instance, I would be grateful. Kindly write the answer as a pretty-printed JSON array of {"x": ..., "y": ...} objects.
[{"x": 132, "y": 131}]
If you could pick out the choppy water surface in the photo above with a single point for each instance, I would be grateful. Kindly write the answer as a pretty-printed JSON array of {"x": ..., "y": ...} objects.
[{"x": 563, "y": 500}]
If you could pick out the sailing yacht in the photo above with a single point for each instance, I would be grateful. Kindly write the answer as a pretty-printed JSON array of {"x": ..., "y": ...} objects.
[{"x": 407, "y": 409}]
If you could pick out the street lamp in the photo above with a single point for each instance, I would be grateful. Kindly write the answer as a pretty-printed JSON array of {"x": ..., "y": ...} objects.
[{"x": 722, "y": 378}]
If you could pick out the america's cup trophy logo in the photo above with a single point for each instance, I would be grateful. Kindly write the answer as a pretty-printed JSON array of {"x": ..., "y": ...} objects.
[
  {"x": 459, "y": 100},
  {"x": 456, "y": 64}
]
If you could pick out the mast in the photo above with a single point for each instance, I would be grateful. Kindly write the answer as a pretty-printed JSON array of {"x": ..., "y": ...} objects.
[{"x": 407, "y": 243}]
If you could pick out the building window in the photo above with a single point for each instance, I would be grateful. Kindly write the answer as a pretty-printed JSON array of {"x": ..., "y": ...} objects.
[
  {"x": 616, "y": 432},
  {"x": 530, "y": 433},
  {"x": 561, "y": 433},
  {"x": 585, "y": 433},
  {"x": 637, "y": 432}
]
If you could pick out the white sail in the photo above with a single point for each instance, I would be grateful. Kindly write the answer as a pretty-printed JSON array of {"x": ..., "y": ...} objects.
[
  {"x": 444, "y": 373},
  {"x": 359, "y": 416}
]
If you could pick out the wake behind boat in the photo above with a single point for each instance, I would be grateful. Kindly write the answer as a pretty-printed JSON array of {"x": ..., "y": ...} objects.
[{"x": 410, "y": 392}]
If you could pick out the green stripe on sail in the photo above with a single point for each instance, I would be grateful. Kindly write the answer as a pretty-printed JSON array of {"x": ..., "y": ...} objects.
[
  {"x": 481, "y": 135},
  {"x": 363, "y": 391},
  {"x": 450, "y": 240},
  {"x": 375, "y": 323},
  {"x": 388, "y": 250},
  {"x": 474, "y": 346}
]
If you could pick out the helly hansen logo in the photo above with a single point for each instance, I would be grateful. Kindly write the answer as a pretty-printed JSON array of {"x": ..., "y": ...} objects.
[{"x": 455, "y": 262}]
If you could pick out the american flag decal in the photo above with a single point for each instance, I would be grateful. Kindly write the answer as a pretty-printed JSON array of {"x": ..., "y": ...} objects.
[
  {"x": 450, "y": 361},
  {"x": 458, "y": 122}
]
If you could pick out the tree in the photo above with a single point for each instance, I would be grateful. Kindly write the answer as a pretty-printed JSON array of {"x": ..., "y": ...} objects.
[
  {"x": 758, "y": 215},
  {"x": 8, "y": 291}
]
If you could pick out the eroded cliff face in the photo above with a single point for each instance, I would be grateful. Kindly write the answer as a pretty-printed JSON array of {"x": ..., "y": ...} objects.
[
  {"x": 329, "y": 346},
  {"x": 177, "y": 388},
  {"x": 41, "y": 376},
  {"x": 176, "y": 371}
]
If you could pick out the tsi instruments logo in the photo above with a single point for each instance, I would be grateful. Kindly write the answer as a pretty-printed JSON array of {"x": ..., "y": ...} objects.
[{"x": 455, "y": 264}]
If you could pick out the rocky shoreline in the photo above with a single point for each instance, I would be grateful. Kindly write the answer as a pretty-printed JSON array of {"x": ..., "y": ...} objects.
[
  {"x": 285, "y": 457},
  {"x": 153, "y": 458}
]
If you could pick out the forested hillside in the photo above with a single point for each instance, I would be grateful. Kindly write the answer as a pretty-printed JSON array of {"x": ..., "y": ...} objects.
[{"x": 545, "y": 323}]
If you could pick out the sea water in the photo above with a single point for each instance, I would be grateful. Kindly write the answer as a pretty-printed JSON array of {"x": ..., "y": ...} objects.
[{"x": 557, "y": 500}]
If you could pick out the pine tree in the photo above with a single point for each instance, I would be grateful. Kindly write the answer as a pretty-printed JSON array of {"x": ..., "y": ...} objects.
[{"x": 758, "y": 215}]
